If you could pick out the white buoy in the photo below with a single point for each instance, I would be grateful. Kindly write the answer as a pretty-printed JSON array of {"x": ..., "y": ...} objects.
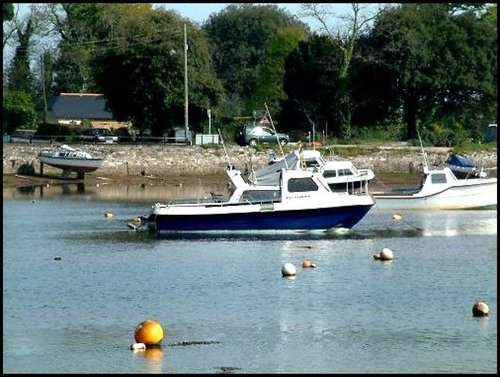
[
  {"x": 288, "y": 269},
  {"x": 386, "y": 254},
  {"x": 108, "y": 215},
  {"x": 480, "y": 309},
  {"x": 138, "y": 346},
  {"x": 376, "y": 256},
  {"x": 397, "y": 217}
]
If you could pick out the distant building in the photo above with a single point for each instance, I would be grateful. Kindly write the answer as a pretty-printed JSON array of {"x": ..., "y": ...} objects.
[
  {"x": 491, "y": 133},
  {"x": 72, "y": 108}
]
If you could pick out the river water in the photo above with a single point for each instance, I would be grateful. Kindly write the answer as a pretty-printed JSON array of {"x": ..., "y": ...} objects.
[{"x": 77, "y": 283}]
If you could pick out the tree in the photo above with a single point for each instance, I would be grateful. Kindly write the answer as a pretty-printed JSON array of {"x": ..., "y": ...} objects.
[
  {"x": 271, "y": 72},
  {"x": 18, "y": 111},
  {"x": 20, "y": 77},
  {"x": 141, "y": 73},
  {"x": 443, "y": 63},
  {"x": 345, "y": 41},
  {"x": 238, "y": 36},
  {"x": 312, "y": 85}
]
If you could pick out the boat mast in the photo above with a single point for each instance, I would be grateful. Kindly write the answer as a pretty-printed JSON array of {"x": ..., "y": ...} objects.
[
  {"x": 185, "y": 86},
  {"x": 426, "y": 167},
  {"x": 277, "y": 138}
]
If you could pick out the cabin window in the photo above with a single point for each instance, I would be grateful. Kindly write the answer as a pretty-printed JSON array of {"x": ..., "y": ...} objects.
[
  {"x": 343, "y": 172},
  {"x": 312, "y": 164},
  {"x": 302, "y": 185},
  {"x": 330, "y": 173},
  {"x": 438, "y": 178},
  {"x": 261, "y": 195}
]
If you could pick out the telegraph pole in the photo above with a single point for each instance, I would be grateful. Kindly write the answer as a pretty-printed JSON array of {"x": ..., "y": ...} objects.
[{"x": 185, "y": 86}]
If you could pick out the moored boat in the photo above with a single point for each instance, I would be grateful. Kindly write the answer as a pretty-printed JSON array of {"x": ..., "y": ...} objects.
[
  {"x": 340, "y": 175},
  {"x": 301, "y": 200},
  {"x": 440, "y": 189}
]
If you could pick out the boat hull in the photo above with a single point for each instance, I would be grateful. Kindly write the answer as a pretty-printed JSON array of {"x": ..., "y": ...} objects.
[
  {"x": 79, "y": 165},
  {"x": 263, "y": 218},
  {"x": 480, "y": 194}
]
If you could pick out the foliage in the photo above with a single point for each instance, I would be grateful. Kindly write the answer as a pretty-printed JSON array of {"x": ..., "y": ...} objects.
[
  {"x": 238, "y": 36},
  {"x": 312, "y": 86},
  {"x": 20, "y": 77},
  {"x": 440, "y": 65},
  {"x": 8, "y": 11},
  {"x": 18, "y": 111},
  {"x": 150, "y": 56}
]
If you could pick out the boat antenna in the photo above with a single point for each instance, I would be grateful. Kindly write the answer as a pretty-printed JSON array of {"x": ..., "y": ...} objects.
[
  {"x": 277, "y": 138},
  {"x": 229, "y": 166},
  {"x": 426, "y": 167}
]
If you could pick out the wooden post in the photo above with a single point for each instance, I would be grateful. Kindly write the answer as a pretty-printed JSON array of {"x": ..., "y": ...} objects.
[{"x": 41, "y": 169}]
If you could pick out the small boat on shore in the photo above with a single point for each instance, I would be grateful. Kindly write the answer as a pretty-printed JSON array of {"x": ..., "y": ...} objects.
[
  {"x": 70, "y": 160},
  {"x": 301, "y": 200}
]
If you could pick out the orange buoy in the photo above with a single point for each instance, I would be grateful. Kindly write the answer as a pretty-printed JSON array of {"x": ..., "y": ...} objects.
[
  {"x": 306, "y": 263},
  {"x": 149, "y": 332}
]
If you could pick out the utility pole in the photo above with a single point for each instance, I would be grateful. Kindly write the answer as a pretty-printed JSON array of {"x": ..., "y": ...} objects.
[
  {"x": 44, "y": 95},
  {"x": 185, "y": 86}
]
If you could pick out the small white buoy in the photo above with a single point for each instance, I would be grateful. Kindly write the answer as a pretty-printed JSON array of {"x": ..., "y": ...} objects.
[
  {"x": 288, "y": 269},
  {"x": 47, "y": 185},
  {"x": 480, "y": 309},
  {"x": 376, "y": 256},
  {"x": 108, "y": 215},
  {"x": 136, "y": 220},
  {"x": 386, "y": 254},
  {"x": 397, "y": 217},
  {"x": 138, "y": 346}
]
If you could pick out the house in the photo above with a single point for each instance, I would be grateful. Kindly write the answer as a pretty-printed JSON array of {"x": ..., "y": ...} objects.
[{"x": 72, "y": 108}]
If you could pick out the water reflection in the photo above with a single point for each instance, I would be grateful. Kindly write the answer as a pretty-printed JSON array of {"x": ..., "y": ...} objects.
[{"x": 111, "y": 191}]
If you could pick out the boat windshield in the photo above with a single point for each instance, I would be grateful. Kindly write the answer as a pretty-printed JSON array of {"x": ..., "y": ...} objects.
[{"x": 260, "y": 196}]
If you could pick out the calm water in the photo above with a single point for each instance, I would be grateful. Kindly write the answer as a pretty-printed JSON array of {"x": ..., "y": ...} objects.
[{"x": 223, "y": 303}]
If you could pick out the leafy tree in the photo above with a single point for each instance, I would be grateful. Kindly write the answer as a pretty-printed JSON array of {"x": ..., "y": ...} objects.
[
  {"x": 345, "y": 41},
  {"x": 238, "y": 36},
  {"x": 271, "y": 72},
  {"x": 8, "y": 11},
  {"x": 441, "y": 62},
  {"x": 18, "y": 111},
  {"x": 19, "y": 76},
  {"x": 312, "y": 85},
  {"x": 141, "y": 73}
]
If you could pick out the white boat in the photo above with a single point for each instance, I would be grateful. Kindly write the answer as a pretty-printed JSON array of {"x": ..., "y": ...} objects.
[
  {"x": 340, "y": 175},
  {"x": 301, "y": 200},
  {"x": 440, "y": 189},
  {"x": 70, "y": 160}
]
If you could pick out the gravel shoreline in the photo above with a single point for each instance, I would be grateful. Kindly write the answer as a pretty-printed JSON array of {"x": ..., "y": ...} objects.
[{"x": 159, "y": 164}]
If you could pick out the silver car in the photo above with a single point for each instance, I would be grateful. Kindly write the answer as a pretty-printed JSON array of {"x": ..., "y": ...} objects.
[{"x": 252, "y": 134}]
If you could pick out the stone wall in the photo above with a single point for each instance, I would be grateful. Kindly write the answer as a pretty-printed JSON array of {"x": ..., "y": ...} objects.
[{"x": 173, "y": 160}]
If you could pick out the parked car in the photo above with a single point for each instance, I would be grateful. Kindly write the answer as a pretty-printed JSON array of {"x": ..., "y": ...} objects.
[
  {"x": 253, "y": 134},
  {"x": 102, "y": 135}
]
